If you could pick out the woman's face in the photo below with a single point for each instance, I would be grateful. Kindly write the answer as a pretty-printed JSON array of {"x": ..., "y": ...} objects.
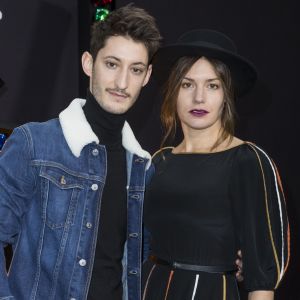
[{"x": 201, "y": 98}]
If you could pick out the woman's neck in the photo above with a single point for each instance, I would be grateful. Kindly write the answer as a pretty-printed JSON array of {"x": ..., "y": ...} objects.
[{"x": 204, "y": 140}]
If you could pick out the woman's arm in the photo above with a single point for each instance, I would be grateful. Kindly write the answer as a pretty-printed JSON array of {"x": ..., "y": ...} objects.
[
  {"x": 261, "y": 295},
  {"x": 261, "y": 222}
]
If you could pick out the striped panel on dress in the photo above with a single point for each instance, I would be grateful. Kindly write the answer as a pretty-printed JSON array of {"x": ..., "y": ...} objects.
[{"x": 282, "y": 262}]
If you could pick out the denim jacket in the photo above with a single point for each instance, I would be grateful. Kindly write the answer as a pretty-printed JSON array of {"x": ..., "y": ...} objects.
[{"x": 52, "y": 176}]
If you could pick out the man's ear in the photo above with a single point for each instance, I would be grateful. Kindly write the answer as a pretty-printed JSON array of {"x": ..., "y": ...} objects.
[
  {"x": 147, "y": 77},
  {"x": 87, "y": 63}
]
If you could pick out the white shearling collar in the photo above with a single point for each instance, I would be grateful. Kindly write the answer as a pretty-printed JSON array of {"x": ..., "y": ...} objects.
[{"x": 78, "y": 132}]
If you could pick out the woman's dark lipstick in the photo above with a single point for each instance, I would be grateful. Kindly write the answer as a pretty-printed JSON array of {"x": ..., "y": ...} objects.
[{"x": 198, "y": 112}]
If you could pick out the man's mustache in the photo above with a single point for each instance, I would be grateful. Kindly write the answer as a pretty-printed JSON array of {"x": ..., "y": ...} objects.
[{"x": 118, "y": 91}]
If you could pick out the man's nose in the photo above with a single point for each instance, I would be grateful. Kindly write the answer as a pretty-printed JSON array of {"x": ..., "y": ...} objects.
[{"x": 122, "y": 79}]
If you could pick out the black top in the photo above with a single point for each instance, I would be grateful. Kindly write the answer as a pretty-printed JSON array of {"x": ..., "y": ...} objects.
[
  {"x": 106, "y": 282},
  {"x": 202, "y": 208}
]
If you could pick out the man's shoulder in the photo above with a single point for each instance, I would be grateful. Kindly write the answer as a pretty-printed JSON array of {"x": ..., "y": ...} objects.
[
  {"x": 43, "y": 132},
  {"x": 41, "y": 127}
]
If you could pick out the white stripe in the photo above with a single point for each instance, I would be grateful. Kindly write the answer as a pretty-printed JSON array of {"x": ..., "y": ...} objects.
[
  {"x": 280, "y": 211},
  {"x": 195, "y": 286},
  {"x": 147, "y": 282}
]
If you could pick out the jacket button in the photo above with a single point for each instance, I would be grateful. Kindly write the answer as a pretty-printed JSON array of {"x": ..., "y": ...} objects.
[
  {"x": 133, "y": 272},
  {"x": 95, "y": 152},
  {"x": 139, "y": 160},
  {"x": 72, "y": 298},
  {"x": 82, "y": 262},
  {"x": 63, "y": 180},
  {"x": 94, "y": 187},
  {"x": 133, "y": 235},
  {"x": 135, "y": 196},
  {"x": 89, "y": 225}
]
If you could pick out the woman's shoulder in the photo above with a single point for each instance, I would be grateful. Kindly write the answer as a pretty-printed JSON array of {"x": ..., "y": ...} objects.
[{"x": 252, "y": 154}]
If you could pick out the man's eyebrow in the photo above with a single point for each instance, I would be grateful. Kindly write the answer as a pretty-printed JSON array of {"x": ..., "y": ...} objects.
[
  {"x": 140, "y": 63},
  {"x": 112, "y": 57},
  {"x": 119, "y": 60}
]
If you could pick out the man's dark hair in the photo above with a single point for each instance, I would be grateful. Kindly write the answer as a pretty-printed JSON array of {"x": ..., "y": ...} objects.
[{"x": 129, "y": 21}]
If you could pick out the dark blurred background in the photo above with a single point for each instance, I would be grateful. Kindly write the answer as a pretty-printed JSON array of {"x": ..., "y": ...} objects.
[{"x": 41, "y": 42}]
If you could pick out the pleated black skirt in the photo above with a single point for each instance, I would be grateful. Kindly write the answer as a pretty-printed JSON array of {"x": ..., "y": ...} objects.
[{"x": 161, "y": 282}]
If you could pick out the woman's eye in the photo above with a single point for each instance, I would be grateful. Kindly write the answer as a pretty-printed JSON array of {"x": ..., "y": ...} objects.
[
  {"x": 186, "y": 85},
  {"x": 213, "y": 86}
]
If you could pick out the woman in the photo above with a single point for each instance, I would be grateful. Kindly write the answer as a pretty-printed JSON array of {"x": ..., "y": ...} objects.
[{"x": 213, "y": 193}]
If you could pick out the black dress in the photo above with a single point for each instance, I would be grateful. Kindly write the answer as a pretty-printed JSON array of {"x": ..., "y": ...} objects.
[{"x": 200, "y": 209}]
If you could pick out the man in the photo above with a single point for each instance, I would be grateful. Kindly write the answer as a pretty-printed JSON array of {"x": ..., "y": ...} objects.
[{"x": 71, "y": 189}]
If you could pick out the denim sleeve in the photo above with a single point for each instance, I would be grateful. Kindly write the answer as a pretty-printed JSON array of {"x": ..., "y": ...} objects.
[
  {"x": 146, "y": 233},
  {"x": 17, "y": 182},
  {"x": 149, "y": 174}
]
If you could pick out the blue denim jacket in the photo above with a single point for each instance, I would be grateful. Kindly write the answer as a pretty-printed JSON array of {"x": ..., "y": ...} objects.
[{"x": 52, "y": 176}]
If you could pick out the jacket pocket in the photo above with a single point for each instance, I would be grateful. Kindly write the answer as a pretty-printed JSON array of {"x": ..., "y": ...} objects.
[{"x": 60, "y": 192}]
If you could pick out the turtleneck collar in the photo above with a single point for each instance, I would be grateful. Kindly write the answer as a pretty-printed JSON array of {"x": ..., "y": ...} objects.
[{"x": 107, "y": 126}]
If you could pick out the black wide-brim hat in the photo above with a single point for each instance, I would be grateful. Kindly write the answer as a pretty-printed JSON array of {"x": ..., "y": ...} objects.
[{"x": 211, "y": 44}]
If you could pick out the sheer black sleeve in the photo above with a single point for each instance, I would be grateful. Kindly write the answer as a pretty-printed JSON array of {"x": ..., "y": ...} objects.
[{"x": 260, "y": 219}]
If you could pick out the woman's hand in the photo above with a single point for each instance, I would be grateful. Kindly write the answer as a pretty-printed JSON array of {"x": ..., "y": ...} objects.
[
  {"x": 239, "y": 264},
  {"x": 261, "y": 295}
]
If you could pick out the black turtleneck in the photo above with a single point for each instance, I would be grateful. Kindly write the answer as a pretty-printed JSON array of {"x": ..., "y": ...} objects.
[{"x": 106, "y": 282}]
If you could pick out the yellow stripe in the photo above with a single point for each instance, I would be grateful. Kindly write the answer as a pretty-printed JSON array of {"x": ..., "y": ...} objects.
[
  {"x": 160, "y": 150},
  {"x": 268, "y": 215},
  {"x": 224, "y": 287}
]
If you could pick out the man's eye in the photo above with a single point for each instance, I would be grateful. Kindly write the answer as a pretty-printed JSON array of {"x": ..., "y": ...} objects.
[
  {"x": 137, "y": 70},
  {"x": 111, "y": 65}
]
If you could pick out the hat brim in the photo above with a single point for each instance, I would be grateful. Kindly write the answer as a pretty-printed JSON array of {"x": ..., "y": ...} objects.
[{"x": 243, "y": 72}]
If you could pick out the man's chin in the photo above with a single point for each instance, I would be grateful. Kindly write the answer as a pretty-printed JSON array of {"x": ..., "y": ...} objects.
[{"x": 116, "y": 110}]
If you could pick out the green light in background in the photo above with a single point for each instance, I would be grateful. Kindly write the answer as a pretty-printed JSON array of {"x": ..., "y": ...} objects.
[{"x": 101, "y": 14}]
